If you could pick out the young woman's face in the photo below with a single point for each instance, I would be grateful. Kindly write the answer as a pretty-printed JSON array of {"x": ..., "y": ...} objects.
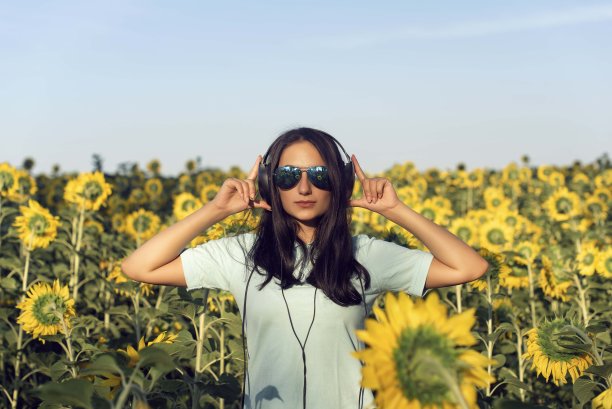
[{"x": 303, "y": 154}]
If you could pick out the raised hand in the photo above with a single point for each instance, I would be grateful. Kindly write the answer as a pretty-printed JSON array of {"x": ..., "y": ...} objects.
[
  {"x": 237, "y": 195},
  {"x": 378, "y": 193}
]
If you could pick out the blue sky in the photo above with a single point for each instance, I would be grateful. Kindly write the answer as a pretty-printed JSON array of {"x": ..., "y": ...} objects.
[{"x": 437, "y": 82}]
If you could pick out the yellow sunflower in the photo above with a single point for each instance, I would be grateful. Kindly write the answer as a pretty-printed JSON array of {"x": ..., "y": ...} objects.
[
  {"x": 604, "y": 262},
  {"x": 209, "y": 192},
  {"x": 495, "y": 200},
  {"x": 549, "y": 358},
  {"x": 465, "y": 230},
  {"x": 587, "y": 258},
  {"x": 603, "y": 400},
  {"x": 142, "y": 224},
  {"x": 44, "y": 308},
  {"x": 132, "y": 354},
  {"x": 595, "y": 208},
  {"x": 153, "y": 187},
  {"x": 138, "y": 197},
  {"x": 514, "y": 272},
  {"x": 89, "y": 190},
  {"x": 8, "y": 180},
  {"x": 36, "y": 226},
  {"x": 118, "y": 222},
  {"x": 25, "y": 186},
  {"x": 185, "y": 204},
  {"x": 415, "y": 351},
  {"x": 563, "y": 205},
  {"x": 496, "y": 235},
  {"x": 554, "y": 280},
  {"x": 154, "y": 166}
]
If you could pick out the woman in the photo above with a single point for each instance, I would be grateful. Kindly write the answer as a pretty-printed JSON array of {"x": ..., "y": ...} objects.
[{"x": 304, "y": 245}]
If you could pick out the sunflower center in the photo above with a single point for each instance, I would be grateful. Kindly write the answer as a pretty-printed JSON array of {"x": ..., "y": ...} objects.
[
  {"x": 92, "y": 190},
  {"x": 48, "y": 308},
  {"x": 417, "y": 379},
  {"x": 142, "y": 223},
  {"x": 496, "y": 236},
  {"x": 564, "y": 205},
  {"x": 465, "y": 233},
  {"x": 429, "y": 213},
  {"x": 38, "y": 224},
  {"x": 589, "y": 259}
]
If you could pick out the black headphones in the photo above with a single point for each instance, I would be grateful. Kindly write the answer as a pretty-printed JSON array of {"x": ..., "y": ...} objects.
[
  {"x": 264, "y": 183},
  {"x": 264, "y": 177}
]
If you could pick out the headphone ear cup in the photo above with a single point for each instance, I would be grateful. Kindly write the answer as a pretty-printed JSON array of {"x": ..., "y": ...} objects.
[
  {"x": 263, "y": 182},
  {"x": 349, "y": 179}
]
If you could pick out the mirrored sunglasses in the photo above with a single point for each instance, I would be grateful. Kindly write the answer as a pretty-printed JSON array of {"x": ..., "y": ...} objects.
[{"x": 286, "y": 177}]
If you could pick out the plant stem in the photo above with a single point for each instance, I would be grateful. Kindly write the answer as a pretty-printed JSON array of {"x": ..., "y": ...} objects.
[{"x": 531, "y": 296}]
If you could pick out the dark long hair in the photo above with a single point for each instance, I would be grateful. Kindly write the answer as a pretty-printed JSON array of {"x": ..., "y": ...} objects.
[{"x": 331, "y": 252}]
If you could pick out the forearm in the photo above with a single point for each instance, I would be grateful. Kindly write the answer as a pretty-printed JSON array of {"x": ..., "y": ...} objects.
[
  {"x": 444, "y": 245},
  {"x": 166, "y": 245}
]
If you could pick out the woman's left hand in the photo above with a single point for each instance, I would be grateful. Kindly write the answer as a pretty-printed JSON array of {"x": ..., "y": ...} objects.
[{"x": 379, "y": 194}]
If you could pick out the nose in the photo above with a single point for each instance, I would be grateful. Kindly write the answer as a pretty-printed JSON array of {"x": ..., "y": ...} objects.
[{"x": 304, "y": 184}]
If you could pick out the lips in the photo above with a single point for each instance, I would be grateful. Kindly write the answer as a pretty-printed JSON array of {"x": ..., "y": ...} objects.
[{"x": 305, "y": 201}]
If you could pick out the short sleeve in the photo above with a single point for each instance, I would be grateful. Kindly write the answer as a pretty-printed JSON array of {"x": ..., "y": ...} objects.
[
  {"x": 395, "y": 267},
  {"x": 212, "y": 264}
]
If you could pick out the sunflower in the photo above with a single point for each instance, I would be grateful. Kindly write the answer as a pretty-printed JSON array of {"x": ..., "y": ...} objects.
[
  {"x": 603, "y": 400},
  {"x": 595, "y": 208},
  {"x": 208, "y": 192},
  {"x": 604, "y": 262},
  {"x": 551, "y": 359},
  {"x": 154, "y": 166},
  {"x": 132, "y": 354},
  {"x": 496, "y": 235},
  {"x": 118, "y": 222},
  {"x": 553, "y": 280},
  {"x": 563, "y": 205},
  {"x": 44, "y": 309},
  {"x": 495, "y": 199},
  {"x": 25, "y": 186},
  {"x": 138, "y": 197},
  {"x": 36, "y": 226},
  {"x": 514, "y": 272},
  {"x": 465, "y": 230},
  {"x": 94, "y": 225},
  {"x": 89, "y": 190},
  {"x": 153, "y": 187},
  {"x": 415, "y": 350},
  {"x": 587, "y": 258},
  {"x": 142, "y": 224},
  {"x": 185, "y": 204},
  {"x": 8, "y": 180},
  {"x": 474, "y": 179}
]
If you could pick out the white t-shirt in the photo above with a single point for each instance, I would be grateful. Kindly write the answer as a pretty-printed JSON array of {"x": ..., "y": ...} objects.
[{"x": 275, "y": 365}]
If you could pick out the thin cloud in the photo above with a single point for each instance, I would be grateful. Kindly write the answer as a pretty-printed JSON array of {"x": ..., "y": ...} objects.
[{"x": 550, "y": 19}]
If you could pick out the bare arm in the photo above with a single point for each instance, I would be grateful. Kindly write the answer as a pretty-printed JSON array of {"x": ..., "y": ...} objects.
[
  {"x": 157, "y": 261},
  {"x": 166, "y": 245}
]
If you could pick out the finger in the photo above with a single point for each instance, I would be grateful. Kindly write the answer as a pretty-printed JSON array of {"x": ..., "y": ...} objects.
[
  {"x": 369, "y": 189},
  {"x": 250, "y": 188},
  {"x": 262, "y": 204},
  {"x": 255, "y": 168},
  {"x": 239, "y": 187},
  {"x": 358, "y": 170},
  {"x": 380, "y": 187}
]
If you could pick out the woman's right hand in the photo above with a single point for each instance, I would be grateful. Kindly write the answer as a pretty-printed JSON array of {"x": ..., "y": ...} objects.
[{"x": 237, "y": 195}]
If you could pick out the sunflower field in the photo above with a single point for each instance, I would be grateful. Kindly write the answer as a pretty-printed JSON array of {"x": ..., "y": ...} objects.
[{"x": 533, "y": 332}]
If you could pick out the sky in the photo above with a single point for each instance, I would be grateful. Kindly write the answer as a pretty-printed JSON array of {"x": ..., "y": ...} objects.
[{"x": 437, "y": 83}]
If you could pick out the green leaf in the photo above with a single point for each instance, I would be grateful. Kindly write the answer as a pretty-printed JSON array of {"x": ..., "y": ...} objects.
[
  {"x": 604, "y": 370},
  {"x": 501, "y": 360},
  {"x": 583, "y": 389},
  {"x": 514, "y": 404},
  {"x": 155, "y": 357},
  {"x": 102, "y": 365},
  {"x": 75, "y": 392}
]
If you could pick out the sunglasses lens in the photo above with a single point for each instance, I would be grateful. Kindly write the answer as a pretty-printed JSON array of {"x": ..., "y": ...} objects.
[
  {"x": 318, "y": 177},
  {"x": 287, "y": 177}
]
